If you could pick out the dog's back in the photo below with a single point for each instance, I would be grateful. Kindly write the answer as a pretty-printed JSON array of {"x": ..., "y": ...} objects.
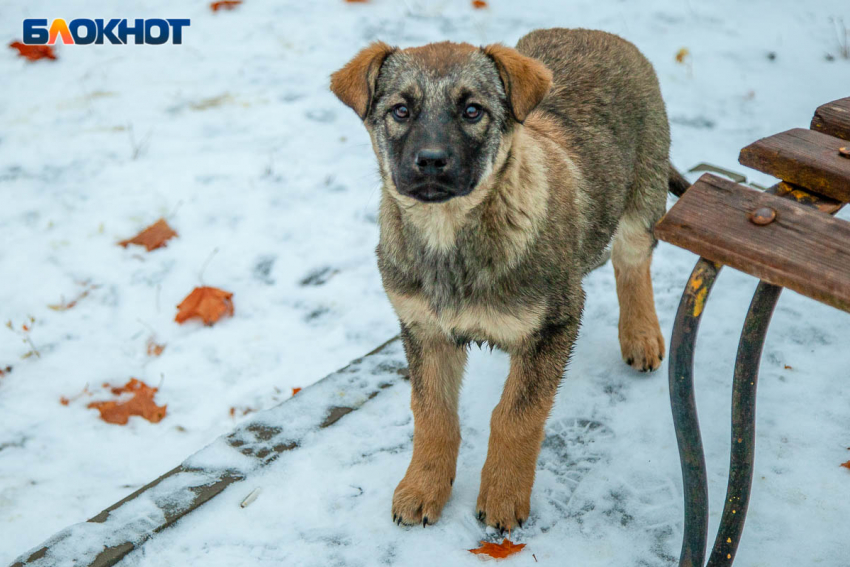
[{"x": 606, "y": 97}]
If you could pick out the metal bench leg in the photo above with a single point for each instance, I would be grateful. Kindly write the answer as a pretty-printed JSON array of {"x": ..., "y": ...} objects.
[
  {"x": 684, "y": 408},
  {"x": 743, "y": 424}
]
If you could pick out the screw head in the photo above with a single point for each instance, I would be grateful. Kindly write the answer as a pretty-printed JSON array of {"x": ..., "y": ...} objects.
[{"x": 763, "y": 216}]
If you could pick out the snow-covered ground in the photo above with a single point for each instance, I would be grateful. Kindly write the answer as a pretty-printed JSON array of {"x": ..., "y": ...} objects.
[{"x": 235, "y": 139}]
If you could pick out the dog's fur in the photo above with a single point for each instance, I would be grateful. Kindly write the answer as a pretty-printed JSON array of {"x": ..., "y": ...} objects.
[{"x": 571, "y": 153}]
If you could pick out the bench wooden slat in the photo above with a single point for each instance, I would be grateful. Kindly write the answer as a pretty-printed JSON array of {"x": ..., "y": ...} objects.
[
  {"x": 833, "y": 118},
  {"x": 803, "y": 157},
  {"x": 804, "y": 249}
]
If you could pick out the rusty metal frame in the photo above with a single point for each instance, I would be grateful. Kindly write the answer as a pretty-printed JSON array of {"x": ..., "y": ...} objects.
[
  {"x": 743, "y": 425},
  {"x": 686, "y": 422},
  {"x": 683, "y": 404}
]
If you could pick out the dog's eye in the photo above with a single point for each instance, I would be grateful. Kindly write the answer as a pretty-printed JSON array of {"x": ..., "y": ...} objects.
[
  {"x": 401, "y": 112},
  {"x": 473, "y": 112}
]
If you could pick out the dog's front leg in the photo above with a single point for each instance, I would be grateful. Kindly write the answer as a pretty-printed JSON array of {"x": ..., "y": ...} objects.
[
  {"x": 516, "y": 426},
  {"x": 436, "y": 371}
]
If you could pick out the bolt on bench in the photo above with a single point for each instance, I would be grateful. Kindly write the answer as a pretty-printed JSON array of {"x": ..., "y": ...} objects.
[{"x": 786, "y": 237}]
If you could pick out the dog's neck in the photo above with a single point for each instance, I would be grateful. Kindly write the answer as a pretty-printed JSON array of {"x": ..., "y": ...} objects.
[{"x": 512, "y": 194}]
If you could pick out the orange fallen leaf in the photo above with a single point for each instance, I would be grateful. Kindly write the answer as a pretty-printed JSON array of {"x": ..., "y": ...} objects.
[
  {"x": 141, "y": 404},
  {"x": 498, "y": 550},
  {"x": 682, "y": 54},
  {"x": 33, "y": 52},
  {"x": 788, "y": 367},
  {"x": 207, "y": 303},
  {"x": 846, "y": 465},
  {"x": 224, "y": 5},
  {"x": 295, "y": 390},
  {"x": 479, "y": 4},
  {"x": 153, "y": 237},
  {"x": 154, "y": 348}
]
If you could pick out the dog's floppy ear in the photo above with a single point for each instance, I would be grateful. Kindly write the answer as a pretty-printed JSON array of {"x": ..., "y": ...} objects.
[
  {"x": 354, "y": 84},
  {"x": 526, "y": 80}
]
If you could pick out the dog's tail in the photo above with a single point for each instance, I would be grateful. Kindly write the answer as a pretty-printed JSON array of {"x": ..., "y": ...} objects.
[{"x": 676, "y": 184}]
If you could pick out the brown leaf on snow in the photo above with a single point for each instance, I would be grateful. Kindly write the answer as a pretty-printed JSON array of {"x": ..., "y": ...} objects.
[
  {"x": 682, "y": 54},
  {"x": 295, "y": 390},
  {"x": 141, "y": 404},
  {"x": 846, "y": 465},
  {"x": 207, "y": 303},
  {"x": 4, "y": 371},
  {"x": 154, "y": 348},
  {"x": 33, "y": 52},
  {"x": 479, "y": 4},
  {"x": 224, "y": 5},
  {"x": 153, "y": 237},
  {"x": 498, "y": 550}
]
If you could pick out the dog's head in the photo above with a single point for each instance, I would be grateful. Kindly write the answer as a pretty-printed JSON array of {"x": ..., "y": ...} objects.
[{"x": 438, "y": 114}]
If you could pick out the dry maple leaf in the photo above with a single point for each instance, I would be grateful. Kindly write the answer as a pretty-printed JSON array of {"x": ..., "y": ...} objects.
[
  {"x": 33, "y": 52},
  {"x": 141, "y": 404},
  {"x": 153, "y": 237},
  {"x": 846, "y": 465},
  {"x": 498, "y": 550},
  {"x": 295, "y": 390},
  {"x": 224, "y": 5},
  {"x": 479, "y": 4},
  {"x": 207, "y": 303},
  {"x": 682, "y": 54}
]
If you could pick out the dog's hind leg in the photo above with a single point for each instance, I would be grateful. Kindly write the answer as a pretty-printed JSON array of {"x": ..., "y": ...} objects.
[{"x": 641, "y": 342}]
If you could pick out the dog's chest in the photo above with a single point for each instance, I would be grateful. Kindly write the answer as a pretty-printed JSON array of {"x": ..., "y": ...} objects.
[
  {"x": 464, "y": 289},
  {"x": 465, "y": 320}
]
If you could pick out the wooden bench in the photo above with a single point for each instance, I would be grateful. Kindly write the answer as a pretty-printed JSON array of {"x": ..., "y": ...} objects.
[{"x": 786, "y": 237}]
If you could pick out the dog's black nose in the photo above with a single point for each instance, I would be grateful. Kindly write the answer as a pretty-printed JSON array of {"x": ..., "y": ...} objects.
[{"x": 432, "y": 161}]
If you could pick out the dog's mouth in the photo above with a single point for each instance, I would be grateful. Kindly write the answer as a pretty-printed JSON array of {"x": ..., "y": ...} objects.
[{"x": 433, "y": 192}]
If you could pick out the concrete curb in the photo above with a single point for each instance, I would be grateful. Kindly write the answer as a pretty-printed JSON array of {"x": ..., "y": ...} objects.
[{"x": 109, "y": 536}]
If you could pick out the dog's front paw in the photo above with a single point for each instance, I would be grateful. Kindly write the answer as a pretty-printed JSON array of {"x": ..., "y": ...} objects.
[
  {"x": 642, "y": 348},
  {"x": 504, "y": 500},
  {"x": 420, "y": 496}
]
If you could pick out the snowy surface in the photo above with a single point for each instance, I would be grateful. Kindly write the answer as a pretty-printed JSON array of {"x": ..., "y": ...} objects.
[{"x": 271, "y": 184}]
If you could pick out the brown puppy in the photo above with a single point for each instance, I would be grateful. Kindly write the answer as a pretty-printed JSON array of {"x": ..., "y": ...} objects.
[{"x": 506, "y": 173}]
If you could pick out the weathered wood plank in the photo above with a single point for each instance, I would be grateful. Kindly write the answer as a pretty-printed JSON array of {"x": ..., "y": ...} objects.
[
  {"x": 803, "y": 249},
  {"x": 833, "y": 118},
  {"x": 803, "y": 157}
]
